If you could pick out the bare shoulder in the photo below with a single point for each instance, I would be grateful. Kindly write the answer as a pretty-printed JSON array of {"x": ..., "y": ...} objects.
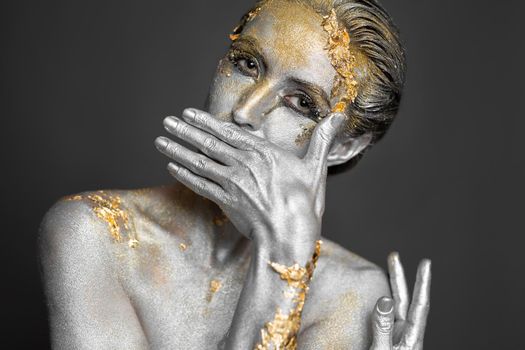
[
  {"x": 343, "y": 295},
  {"x": 79, "y": 240},
  {"x": 351, "y": 270},
  {"x": 71, "y": 222},
  {"x": 112, "y": 216}
]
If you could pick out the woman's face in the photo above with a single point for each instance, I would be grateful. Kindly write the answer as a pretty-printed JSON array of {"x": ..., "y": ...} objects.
[{"x": 276, "y": 79}]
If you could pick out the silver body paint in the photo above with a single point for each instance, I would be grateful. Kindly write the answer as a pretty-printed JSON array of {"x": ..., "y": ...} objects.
[{"x": 197, "y": 281}]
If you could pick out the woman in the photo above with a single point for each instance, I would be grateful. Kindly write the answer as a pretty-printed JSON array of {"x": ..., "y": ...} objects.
[{"x": 226, "y": 257}]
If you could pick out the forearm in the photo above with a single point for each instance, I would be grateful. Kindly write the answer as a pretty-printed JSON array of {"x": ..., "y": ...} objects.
[{"x": 270, "y": 306}]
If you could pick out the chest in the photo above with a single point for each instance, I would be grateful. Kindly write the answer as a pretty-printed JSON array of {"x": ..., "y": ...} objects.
[{"x": 180, "y": 302}]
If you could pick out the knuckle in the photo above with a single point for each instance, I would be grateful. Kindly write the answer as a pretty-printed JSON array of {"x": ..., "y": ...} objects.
[
  {"x": 172, "y": 148},
  {"x": 182, "y": 130},
  {"x": 200, "y": 164},
  {"x": 230, "y": 131},
  {"x": 324, "y": 135},
  {"x": 200, "y": 118},
  {"x": 266, "y": 154},
  {"x": 384, "y": 324},
  {"x": 210, "y": 143},
  {"x": 200, "y": 186}
]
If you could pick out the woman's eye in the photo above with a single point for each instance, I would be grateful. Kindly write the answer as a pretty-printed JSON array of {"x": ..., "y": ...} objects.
[
  {"x": 246, "y": 65},
  {"x": 302, "y": 104}
]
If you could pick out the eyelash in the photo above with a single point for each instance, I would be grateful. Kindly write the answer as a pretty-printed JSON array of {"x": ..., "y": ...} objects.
[
  {"x": 314, "y": 112},
  {"x": 236, "y": 56}
]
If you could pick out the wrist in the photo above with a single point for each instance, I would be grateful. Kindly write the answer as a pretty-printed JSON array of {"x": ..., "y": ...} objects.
[{"x": 288, "y": 247}]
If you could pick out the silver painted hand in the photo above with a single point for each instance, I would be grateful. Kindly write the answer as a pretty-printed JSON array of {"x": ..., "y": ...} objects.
[
  {"x": 396, "y": 325},
  {"x": 267, "y": 192}
]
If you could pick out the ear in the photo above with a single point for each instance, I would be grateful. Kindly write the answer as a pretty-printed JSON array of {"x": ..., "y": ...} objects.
[{"x": 344, "y": 150}]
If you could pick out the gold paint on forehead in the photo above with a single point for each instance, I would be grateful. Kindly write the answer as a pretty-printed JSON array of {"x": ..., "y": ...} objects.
[
  {"x": 281, "y": 332},
  {"x": 344, "y": 61},
  {"x": 305, "y": 135},
  {"x": 108, "y": 208},
  {"x": 295, "y": 32},
  {"x": 183, "y": 247},
  {"x": 215, "y": 285},
  {"x": 295, "y": 26}
]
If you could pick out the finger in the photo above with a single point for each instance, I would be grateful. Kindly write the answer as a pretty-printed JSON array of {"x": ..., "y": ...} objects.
[
  {"x": 227, "y": 132},
  {"x": 418, "y": 312},
  {"x": 383, "y": 324},
  {"x": 207, "y": 143},
  {"x": 197, "y": 163},
  {"x": 323, "y": 137},
  {"x": 199, "y": 185},
  {"x": 399, "y": 286}
]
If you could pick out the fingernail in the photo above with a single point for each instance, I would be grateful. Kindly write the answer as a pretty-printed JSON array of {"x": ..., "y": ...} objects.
[
  {"x": 337, "y": 119},
  {"x": 189, "y": 113},
  {"x": 172, "y": 167},
  {"x": 161, "y": 143},
  {"x": 170, "y": 120},
  {"x": 385, "y": 305}
]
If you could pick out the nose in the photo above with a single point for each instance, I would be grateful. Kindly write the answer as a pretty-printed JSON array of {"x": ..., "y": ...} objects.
[{"x": 254, "y": 105}]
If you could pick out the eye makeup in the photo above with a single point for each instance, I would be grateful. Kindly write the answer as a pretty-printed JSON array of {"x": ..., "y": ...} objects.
[
  {"x": 311, "y": 97},
  {"x": 303, "y": 97}
]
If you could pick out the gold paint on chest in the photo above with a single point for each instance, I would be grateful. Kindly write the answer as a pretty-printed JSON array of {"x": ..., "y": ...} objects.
[{"x": 215, "y": 285}]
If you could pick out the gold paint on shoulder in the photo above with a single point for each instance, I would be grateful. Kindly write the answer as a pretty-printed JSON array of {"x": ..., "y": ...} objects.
[
  {"x": 108, "y": 208},
  {"x": 76, "y": 197},
  {"x": 281, "y": 332}
]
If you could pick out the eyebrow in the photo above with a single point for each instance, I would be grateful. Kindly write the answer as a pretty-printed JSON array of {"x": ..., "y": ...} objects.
[
  {"x": 248, "y": 41},
  {"x": 313, "y": 89},
  {"x": 250, "y": 44}
]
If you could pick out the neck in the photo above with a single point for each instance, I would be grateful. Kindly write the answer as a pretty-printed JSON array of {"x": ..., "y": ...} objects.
[{"x": 227, "y": 243}]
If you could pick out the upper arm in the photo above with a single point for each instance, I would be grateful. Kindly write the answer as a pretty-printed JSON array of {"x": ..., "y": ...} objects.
[
  {"x": 88, "y": 308},
  {"x": 342, "y": 318}
]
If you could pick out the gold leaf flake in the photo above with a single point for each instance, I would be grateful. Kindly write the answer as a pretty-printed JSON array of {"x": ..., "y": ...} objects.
[
  {"x": 215, "y": 285},
  {"x": 108, "y": 209},
  {"x": 343, "y": 60},
  {"x": 281, "y": 332}
]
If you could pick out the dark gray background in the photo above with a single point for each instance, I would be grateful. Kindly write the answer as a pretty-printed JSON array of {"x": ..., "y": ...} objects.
[{"x": 85, "y": 85}]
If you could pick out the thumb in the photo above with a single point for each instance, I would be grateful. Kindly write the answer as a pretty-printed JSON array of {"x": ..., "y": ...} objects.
[
  {"x": 324, "y": 135},
  {"x": 383, "y": 324}
]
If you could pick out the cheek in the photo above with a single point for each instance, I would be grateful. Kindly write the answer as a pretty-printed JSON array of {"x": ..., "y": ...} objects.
[
  {"x": 285, "y": 129},
  {"x": 226, "y": 89}
]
